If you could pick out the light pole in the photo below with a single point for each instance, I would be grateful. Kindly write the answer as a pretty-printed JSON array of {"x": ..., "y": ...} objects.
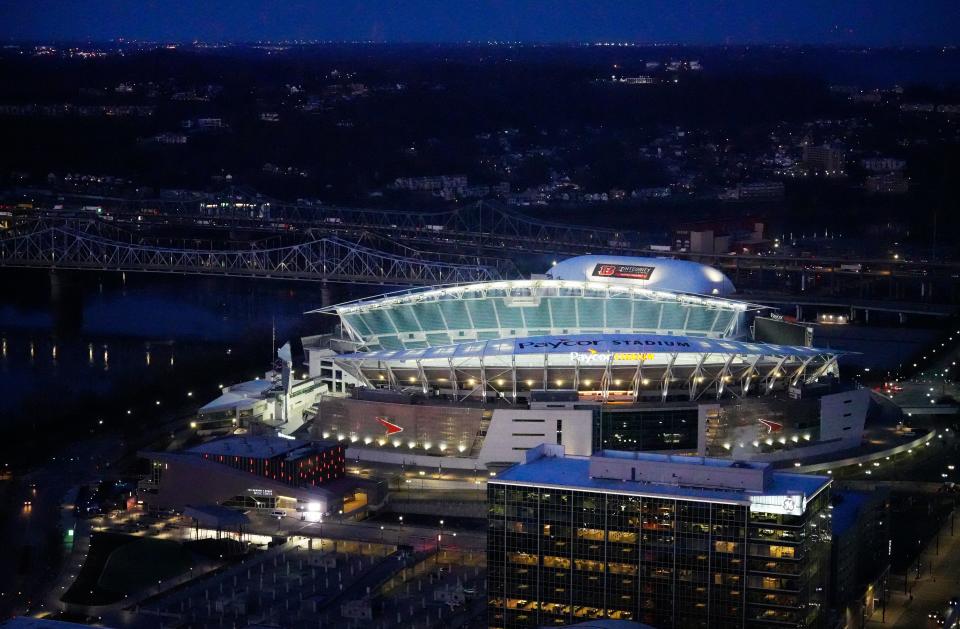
[{"x": 439, "y": 541}]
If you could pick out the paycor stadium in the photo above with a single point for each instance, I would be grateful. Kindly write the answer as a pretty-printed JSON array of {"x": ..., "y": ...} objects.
[{"x": 600, "y": 352}]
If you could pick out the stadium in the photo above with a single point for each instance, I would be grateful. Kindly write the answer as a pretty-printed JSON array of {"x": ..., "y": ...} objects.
[
  {"x": 613, "y": 329},
  {"x": 598, "y": 352}
]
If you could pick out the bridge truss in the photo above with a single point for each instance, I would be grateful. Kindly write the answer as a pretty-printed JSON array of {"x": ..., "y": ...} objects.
[
  {"x": 92, "y": 245},
  {"x": 484, "y": 223}
]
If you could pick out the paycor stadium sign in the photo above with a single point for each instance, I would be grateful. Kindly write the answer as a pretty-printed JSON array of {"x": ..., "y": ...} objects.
[
  {"x": 586, "y": 344},
  {"x": 593, "y": 356}
]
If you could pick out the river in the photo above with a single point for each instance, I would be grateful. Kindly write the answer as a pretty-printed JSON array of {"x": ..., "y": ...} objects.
[{"x": 78, "y": 348}]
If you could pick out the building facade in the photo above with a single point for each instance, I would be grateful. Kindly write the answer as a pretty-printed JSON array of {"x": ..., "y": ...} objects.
[
  {"x": 667, "y": 541},
  {"x": 248, "y": 472}
]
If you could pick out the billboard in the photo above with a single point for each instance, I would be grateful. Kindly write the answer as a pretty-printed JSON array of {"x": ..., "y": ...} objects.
[
  {"x": 780, "y": 332},
  {"x": 626, "y": 271}
]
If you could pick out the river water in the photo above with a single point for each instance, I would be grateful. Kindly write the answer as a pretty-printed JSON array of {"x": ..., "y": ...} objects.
[{"x": 80, "y": 347}]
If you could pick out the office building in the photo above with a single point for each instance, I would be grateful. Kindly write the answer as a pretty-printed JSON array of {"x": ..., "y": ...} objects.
[{"x": 664, "y": 540}]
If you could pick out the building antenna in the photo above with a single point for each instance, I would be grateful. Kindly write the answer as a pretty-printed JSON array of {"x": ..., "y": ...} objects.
[{"x": 273, "y": 336}]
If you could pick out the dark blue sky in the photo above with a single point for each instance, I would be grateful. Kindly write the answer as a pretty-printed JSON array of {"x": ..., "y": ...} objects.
[{"x": 868, "y": 22}]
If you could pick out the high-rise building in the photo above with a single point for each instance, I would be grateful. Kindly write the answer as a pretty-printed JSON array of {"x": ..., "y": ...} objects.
[
  {"x": 665, "y": 540},
  {"x": 826, "y": 159}
]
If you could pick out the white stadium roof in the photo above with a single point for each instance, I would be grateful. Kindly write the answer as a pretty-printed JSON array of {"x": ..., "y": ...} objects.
[{"x": 668, "y": 274}]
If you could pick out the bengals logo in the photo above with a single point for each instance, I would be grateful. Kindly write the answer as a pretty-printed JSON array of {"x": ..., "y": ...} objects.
[{"x": 606, "y": 270}]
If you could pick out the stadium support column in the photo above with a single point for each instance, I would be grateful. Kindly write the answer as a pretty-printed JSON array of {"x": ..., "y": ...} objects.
[
  {"x": 667, "y": 376},
  {"x": 545, "y": 373},
  {"x": 637, "y": 380},
  {"x": 423, "y": 377},
  {"x": 824, "y": 368},
  {"x": 513, "y": 375},
  {"x": 696, "y": 375},
  {"x": 800, "y": 371},
  {"x": 721, "y": 379},
  {"x": 483, "y": 381},
  {"x": 748, "y": 375},
  {"x": 773, "y": 374},
  {"x": 453, "y": 377},
  {"x": 391, "y": 378},
  {"x": 605, "y": 384}
]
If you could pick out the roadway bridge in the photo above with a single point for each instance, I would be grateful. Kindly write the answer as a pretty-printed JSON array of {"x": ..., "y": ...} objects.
[
  {"x": 481, "y": 226},
  {"x": 94, "y": 245},
  {"x": 482, "y": 223},
  {"x": 798, "y": 303},
  {"x": 489, "y": 234}
]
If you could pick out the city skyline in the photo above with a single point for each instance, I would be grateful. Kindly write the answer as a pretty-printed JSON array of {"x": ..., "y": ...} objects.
[{"x": 856, "y": 22}]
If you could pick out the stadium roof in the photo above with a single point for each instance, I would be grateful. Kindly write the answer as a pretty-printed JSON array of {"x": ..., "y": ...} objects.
[
  {"x": 419, "y": 294},
  {"x": 680, "y": 276},
  {"x": 590, "y": 343}
]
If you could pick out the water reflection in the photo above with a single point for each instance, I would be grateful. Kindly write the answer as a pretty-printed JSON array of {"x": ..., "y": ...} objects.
[{"x": 149, "y": 332}]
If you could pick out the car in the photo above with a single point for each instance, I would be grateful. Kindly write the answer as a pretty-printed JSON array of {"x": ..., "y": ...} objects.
[{"x": 278, "y": 513}]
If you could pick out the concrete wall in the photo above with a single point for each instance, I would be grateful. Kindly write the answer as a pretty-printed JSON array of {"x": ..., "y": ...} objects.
[
  {"x": 511, "y": 432},
  {"x": 514, "y": 431},
  {"x": 842, "y": 417}
]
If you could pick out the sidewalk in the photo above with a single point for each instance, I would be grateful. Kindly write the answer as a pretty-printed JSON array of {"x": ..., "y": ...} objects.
[{"x": 931, "y": 592}]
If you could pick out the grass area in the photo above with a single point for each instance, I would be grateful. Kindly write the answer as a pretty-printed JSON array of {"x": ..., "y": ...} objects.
[
  {"x": 120, "y": 564},
  {"x": 143, "y": 563},
  {"x": 86, "y": 589}
]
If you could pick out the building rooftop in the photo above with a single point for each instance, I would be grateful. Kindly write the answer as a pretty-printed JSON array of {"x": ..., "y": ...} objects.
[
  {"x": 849, "y": 505},
  {"x": 258, "y": 446},
  {"x": 654, "y": 457},
  {"x": 242, "y": 393},
  {"x": 573, "y": 472}
]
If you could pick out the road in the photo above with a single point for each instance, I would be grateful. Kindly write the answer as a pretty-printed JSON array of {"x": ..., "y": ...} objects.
[{"x": 939, "y": 580}]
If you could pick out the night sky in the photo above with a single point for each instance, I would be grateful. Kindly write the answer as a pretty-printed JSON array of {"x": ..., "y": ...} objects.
[{"x": 866, "y": 22}]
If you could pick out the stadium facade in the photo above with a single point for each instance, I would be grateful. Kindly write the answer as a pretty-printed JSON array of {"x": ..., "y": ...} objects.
[{"x": 598, "y": 352}]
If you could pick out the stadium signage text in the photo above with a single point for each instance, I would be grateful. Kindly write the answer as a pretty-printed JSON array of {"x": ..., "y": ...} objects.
[
  {"x": 558, "y": 343},
  {"x": 593, "y": 356},
  {"x": 626, "y": 271}
]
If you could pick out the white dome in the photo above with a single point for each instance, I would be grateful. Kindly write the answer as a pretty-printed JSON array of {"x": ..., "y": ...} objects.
[{"x": 680, "y": 276}]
